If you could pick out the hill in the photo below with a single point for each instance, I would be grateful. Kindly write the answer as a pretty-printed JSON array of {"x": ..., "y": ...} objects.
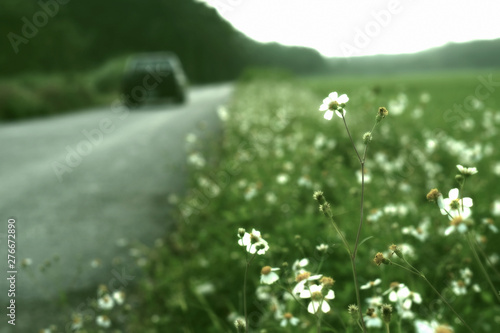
[{"x": 471, "y": 55}]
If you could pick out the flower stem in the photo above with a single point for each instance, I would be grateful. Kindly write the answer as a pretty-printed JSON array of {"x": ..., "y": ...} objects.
[
  {"x": 245, "y": 291},
  {"x": 417, "y": 272},
  {"x": 470, "y": 239},
  {"x": 358, "y": 234}
]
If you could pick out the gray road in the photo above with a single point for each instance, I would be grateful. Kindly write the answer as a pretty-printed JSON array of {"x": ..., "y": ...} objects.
[{"x": 78, "y": 183}]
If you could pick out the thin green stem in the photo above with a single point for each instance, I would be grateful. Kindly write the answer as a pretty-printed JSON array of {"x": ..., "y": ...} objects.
[
  {"x": 387, "y": 328},
  {"x": 417, "y": 272},
  {"x": 470, "y": 239},
  {"x": 446, "y": 302},
  {"x": 350, "y": 137},
  {"x": 245, "y": 290},
  {"x": 358, "y": 234}
]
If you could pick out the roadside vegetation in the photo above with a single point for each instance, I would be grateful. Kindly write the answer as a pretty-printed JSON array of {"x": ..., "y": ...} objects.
[
  {"x": 427, "y": 260},
  {"x": 41, "y": 94},
  {"x": 277, "y": 150}
]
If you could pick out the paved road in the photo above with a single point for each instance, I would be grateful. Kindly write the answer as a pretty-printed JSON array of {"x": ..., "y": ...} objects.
[{"x": 77, "y": 183}]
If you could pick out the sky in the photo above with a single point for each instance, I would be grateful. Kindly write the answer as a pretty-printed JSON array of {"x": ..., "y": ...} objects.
[{"x": 363, "y": 27}]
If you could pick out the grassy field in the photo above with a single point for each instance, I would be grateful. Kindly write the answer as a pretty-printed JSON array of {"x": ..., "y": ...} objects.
[{"x": 277, "y": 150}]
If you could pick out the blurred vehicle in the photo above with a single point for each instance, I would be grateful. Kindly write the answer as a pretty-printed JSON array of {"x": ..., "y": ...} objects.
[{"x": 153, "y": 76}]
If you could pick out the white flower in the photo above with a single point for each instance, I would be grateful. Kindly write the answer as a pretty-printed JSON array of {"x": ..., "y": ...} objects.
[
  {"x": 288, "y": 318},
  {"x": 76, "y": 322},
  {"x": 103, "y": 321},
  {"x": 456, "y": 224},
  {"x": 422, "y": 326},
  {"x": 495, "y": 210},
  {"x": 466, "y": 171},
  {"x": 332, "y": 103},
  {"x": 119, "y": 297},
  {"x": 302, "y": 278},
  {"x": 466, "y": 275},
  {"x": 400, "y": 294},
  {"x": 254, "y": 242},
  {"x": 263, "y": 293},
  {"x": 222, "y": 113},
  {"x": 374, "y": 301},
  {"x": 323, "y": 248},
  {"x": 458, "y": 287},
  {"x": 298, "y": 265},
  {"x": 267, "y": 275},
  {"x": 282, "y": 178},
  {"x": 489, "y": 224},
  {"x": 197, "y": 160},
  {"x": 421, "y": 233},
  {"x": 371, "y": 284},
  {"x": 373, "y": 321},
  {"x": 454, "y": 206},
  {"x": 318, "y": 300},
  {"x": 105, "y": 302}
]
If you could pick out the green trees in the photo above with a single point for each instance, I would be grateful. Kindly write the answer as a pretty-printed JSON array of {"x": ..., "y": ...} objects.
[{"x": 64, "y": 35}]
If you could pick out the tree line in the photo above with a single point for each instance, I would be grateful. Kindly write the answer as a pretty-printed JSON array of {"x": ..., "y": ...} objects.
[{"x": 75, "y": 35}]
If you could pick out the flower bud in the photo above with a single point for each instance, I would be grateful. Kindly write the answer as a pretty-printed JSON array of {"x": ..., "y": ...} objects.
[
  {"x": 382, "y": 113},
  {"x": 380, "y": 259},
  {"x": 354, "y": 312},
  {"x": 386, "y": 310},
  {"x": 367, "y": 137},
  {"x": 433, "y": 195},
  {"x": 396, "y": 250}
]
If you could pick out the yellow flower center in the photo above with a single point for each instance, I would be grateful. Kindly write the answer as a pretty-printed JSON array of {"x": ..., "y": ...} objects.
[
  {"x": 456, "y": 221},
  {"x": 455, "y": 204},
  {"x": 265, "y": 270},
  {"x": 302, "y": 276},
  {"x": 333, "y": 105},
  {"x": 317, "y": 296},
  {"x": 288, "y": 315},
  {"x": 327, "y": 282},
  {"x": 254, "y": 238}
]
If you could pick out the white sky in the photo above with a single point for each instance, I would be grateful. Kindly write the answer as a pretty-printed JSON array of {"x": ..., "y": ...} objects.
[{"x": 351, "y": 28}]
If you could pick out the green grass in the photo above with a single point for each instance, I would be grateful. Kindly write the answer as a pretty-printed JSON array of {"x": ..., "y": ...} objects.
[{"x": 274, "y": 129}]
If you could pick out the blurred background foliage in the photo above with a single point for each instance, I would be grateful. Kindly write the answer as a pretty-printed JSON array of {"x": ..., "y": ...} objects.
[{"x": 64, "y": 56}]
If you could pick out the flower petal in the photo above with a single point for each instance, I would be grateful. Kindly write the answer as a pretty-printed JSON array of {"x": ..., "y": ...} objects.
[
  {"x": 449, "y": 230},
  {"x": 343, "y": 99},
  {"x": 341, "y": 115},
  {"x": 328, "y": 115},
  {"x": 313, "y": 307},
  {"x": 323, "y": 107},
  {"x": 333, "y": 96},
  {"x": 330, "y": 294},
  {"x": 325, "y": 307},
  {"x": 467, "y": 202},
  {"x": 453, "y": 194}
]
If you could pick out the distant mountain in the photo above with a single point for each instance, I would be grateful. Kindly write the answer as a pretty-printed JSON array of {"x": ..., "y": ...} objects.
[{"x": 470, "y": 55}]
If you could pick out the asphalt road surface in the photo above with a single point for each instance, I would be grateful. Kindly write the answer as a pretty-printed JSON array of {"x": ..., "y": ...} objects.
[{"x": 81, "y": 185}]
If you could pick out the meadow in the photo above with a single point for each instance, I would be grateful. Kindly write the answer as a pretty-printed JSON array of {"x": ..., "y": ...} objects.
[{"x": 439, "y": 268}]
